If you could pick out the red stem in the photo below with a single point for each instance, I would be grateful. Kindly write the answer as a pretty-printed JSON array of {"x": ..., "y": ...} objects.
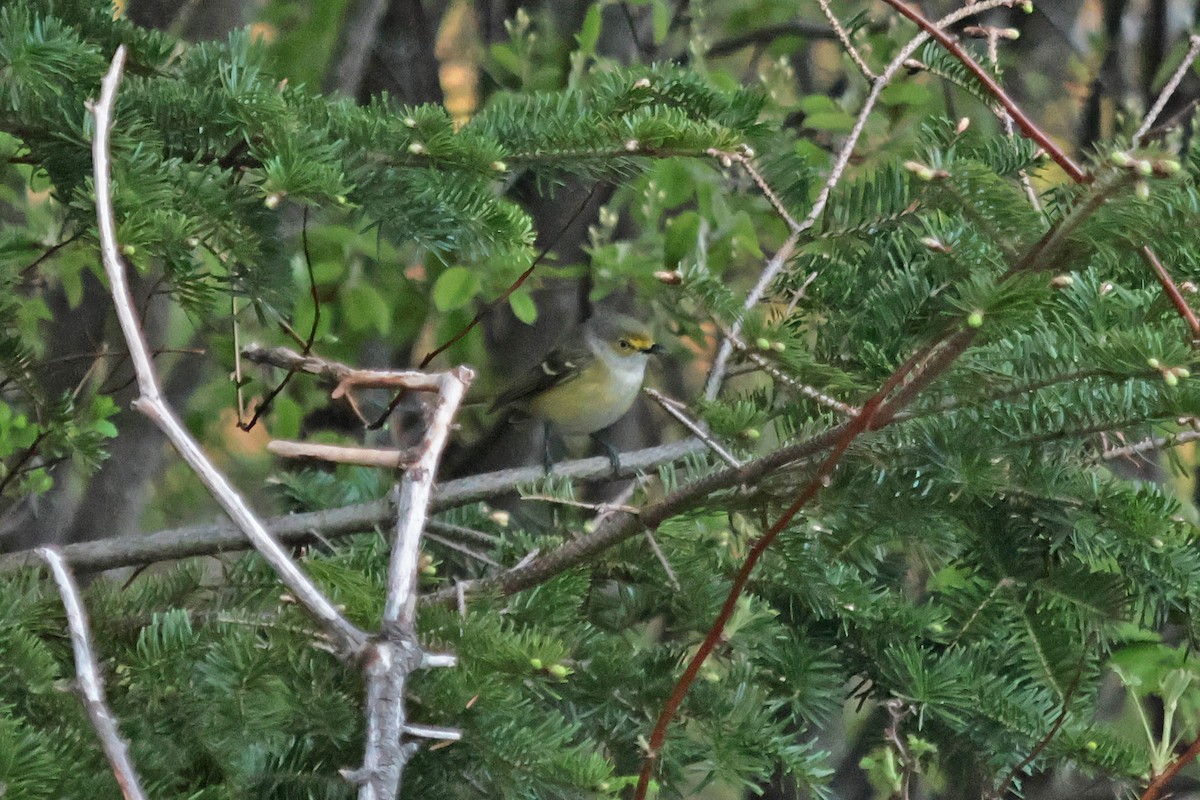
[
  {"x": 1173, "y": 293},
  {"x": 1027, "y": 126},
  {"x": 1155, "y": 787},
  {"x": 861, "y": 423}
]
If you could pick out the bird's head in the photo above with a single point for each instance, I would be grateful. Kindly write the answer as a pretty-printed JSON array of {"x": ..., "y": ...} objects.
[{"x": 625, "y": 336}]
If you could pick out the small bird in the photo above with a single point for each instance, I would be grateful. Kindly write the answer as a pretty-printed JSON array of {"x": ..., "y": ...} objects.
[{"x": 587, "y": 382}]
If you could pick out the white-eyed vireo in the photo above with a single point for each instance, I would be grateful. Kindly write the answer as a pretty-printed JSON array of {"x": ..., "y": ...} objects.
[{"x": 588, "y": 381}]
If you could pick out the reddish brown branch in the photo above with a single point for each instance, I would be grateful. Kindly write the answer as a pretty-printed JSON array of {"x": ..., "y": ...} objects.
[
  {"x": 1055, "y": 727},
  {"x": 1022, "y": 120},
  {"x": 856, "y": 426},
  {"x": 1173, "y": 293},
  {"x": 1156, "y": 786}
]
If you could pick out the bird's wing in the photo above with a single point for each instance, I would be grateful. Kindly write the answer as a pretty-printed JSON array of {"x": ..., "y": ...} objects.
[{"x": 560, "y": 365}]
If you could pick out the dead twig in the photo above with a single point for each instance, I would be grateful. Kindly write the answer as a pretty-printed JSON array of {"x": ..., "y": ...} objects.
[
  {"x": 91, "y": 685},
  {"x": 151, "y": 402}
]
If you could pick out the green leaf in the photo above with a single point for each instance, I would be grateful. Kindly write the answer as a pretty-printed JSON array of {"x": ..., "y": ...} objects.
[
  {"x": 661, "y": 17},
  {"x": 522, "y": 306},
  {"x": 589, "y": 32},
  {"x": 832, "y": 121},
  {"x": 906, "y": 93},
  {"x": 365, "y": 308},
  {"x": 455, "y": 288}
]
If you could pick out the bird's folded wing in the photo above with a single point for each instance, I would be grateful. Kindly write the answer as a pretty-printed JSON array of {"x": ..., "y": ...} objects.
[{"x": 562, "y": 364}]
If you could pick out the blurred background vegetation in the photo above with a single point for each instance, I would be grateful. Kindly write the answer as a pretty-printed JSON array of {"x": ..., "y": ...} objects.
[{"x": 520, "y": 163}]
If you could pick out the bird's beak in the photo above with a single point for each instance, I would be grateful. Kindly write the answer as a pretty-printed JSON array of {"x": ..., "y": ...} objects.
[{"x": 655, "y": 349}]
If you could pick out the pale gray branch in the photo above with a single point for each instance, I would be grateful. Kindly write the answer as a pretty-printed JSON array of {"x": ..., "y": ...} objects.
[
  {"x": 116, "y": 749},
  {"x": 776, "y": 263},
  {"x": 1169, "y": 89},
  {"x": 297, "y": 529},
  {"x": 398, "y": 653},
  {"x": 151, "y": 403}
]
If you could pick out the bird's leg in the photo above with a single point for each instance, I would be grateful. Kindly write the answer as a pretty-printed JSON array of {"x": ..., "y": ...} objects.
[
  {"x": 614, "y": 457},
  {"x": 547, "y": 456}
]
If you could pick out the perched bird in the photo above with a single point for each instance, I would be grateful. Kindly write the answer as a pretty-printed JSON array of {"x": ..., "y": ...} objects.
[{"x": 587, "y": 382}]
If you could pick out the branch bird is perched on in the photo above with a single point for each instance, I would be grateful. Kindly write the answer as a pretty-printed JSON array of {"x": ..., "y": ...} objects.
[{"x": 588, "y": 381}]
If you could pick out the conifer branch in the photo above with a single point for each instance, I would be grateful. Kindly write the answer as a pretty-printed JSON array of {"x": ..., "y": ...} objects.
[
  {"x": 1031, "y": 130},
  {"x": 1168, "y": 89},
  {"x": 1022, "y": 120},
  {"x": 91, "y": 684},
  {"x": 775, "y": 265},
  {"x": 152, "y": 403},
  {"x": 1155, "y": 788}
]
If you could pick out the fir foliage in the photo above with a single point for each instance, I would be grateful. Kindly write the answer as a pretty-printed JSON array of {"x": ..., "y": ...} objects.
[{"x": 976, "y": 561}]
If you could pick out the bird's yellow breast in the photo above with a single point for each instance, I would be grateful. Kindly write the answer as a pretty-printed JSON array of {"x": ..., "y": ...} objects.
[{"x": 597, "y": 398}]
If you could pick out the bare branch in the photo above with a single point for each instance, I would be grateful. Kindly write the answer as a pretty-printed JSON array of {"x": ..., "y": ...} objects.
[
  {"x": 345, "y": 376},
  {"x": 1168, "y": 90},
  {"x": 1153, "y": 443},
  {"x": 298, "y": 529},
  {"x": 844, "y": 37},
  {"x": 776, "y": 264},
  {"x": 151, "y": 402},
  {"x": 341, "y": 454},
  {"x": 676, "y": 410},
  {"x": 391, "y": 660},
  {"x": 116, "y": 749}
]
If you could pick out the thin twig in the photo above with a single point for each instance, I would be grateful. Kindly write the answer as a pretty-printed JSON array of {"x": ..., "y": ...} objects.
[
  {"x": 1156, "y": 786},
  {"x": 897, "y": 710},
  {"x": 264, "y": 404},
  {"x": 151, "y": 402},
  {"x": 462, "y": 548},
  {"x": 662, "y": 559},
  {"x": 1153, "y": 443},
  {"x": 91, "y": 684},
  {"x": 844, "y": 37},
  {"x": 802, "y": 388},
  {"x": 345, "y": 376},
  {"x": 1006, "y": 120},
  {"x": 676, "y": 410},
  {"x": 342, "y": 454},
  {"x": 728, "y": 159},
  {"x": 599, "y": 508},
  {"x": 1168, "y": 90},
  {"x": 517, "y": 284},
  {"x": 777, "y": 262}
]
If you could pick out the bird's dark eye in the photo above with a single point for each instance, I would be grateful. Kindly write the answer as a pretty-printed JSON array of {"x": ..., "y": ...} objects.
[{"x": 624, "y": 344}]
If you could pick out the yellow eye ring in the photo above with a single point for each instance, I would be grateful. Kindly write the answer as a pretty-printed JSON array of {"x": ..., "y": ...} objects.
[{"x": 624, "y": 344}]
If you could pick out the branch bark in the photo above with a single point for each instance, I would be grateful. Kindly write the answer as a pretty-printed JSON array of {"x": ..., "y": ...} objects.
[
  {"x": 389, "y": 661},
  {"x": 150, "y": 401},
  {"x": 116, "y": 749}
]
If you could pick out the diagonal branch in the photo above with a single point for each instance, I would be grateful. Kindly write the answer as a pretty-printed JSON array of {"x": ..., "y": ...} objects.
[
  {"x": 775, "y": 265},
  {"x": 90, "y": 682},
  {"x": 150, "y": 402}
]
